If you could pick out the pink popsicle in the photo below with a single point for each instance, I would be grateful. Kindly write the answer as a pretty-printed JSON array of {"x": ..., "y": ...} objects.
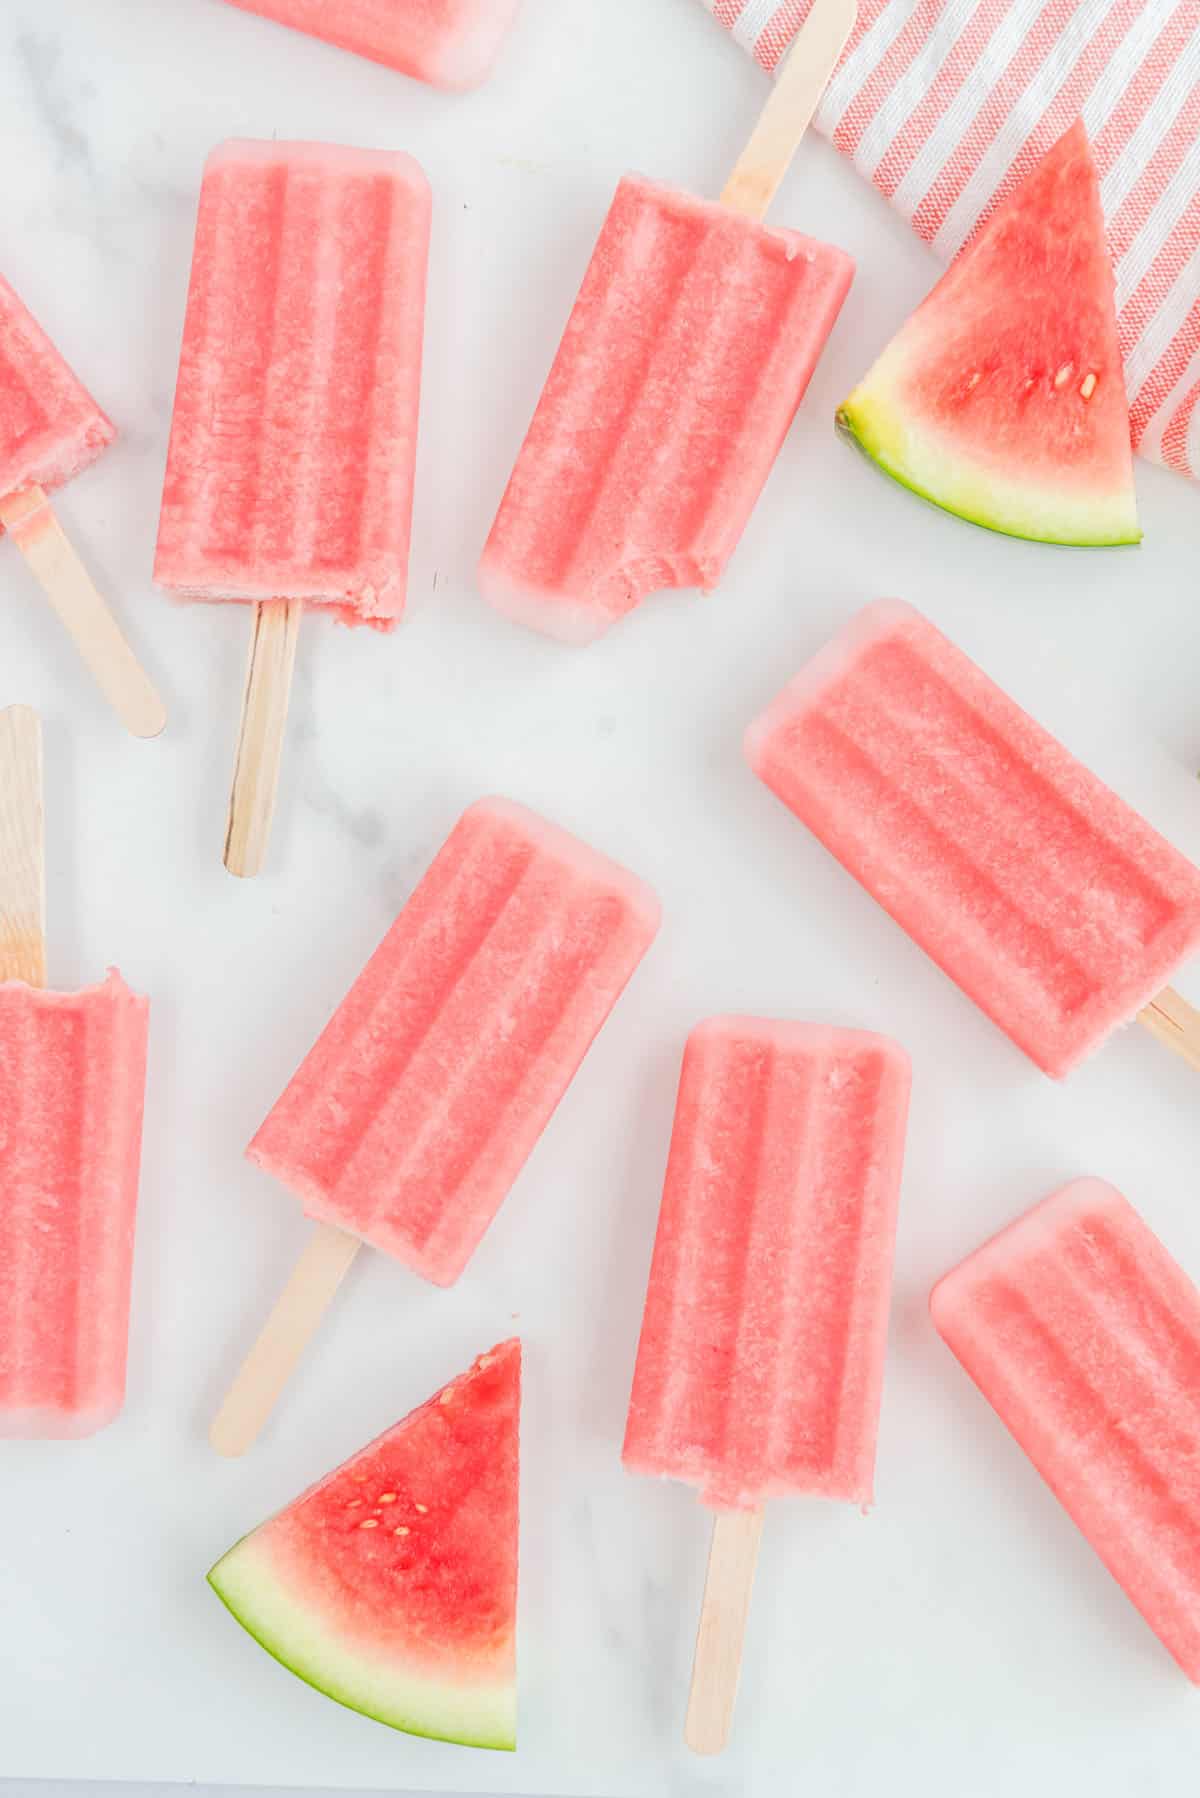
[
  {"x": 1054, "y": 906},
  {"x": 415, "y": 1111},
  {"x": 688, "y": 352},
  {"x": 50, "y": 426},
  {"x": 290, "y": 468},
  {"x": 451, "y": 43},
  {"x": 72, "y": 1076},
  {"x": 760, "y": 1367},
  {"x": 1084, "y": 1335}
]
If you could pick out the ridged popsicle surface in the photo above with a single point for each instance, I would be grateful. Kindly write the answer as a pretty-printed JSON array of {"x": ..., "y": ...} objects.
[
  {"x": 689, "y": 349},
  {"x": 50, "y": 426},
  {"x": 290, "y": 467},
  {"x": 72, "y": 1080},
  {"x": 1084, "y": 1335},
  {"x": 1054, "y": 906},
  {"x": 451, "y": 43},
  {"x": 415, "y": 1111},
  {"x": 760, "y": 1365}
]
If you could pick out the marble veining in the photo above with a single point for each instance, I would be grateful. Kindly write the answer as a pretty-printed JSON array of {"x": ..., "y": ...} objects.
[{"x": 961, "y": 1639}]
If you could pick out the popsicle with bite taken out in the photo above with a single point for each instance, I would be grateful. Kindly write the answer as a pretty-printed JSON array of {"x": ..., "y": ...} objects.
[
  {"x": 72, "y": 1080},
  {"x": 690, "y": 347},
  {"x": 290, "y": 469},
  {"x": 760, "y": 1367},
  {"x": 50, "y": 430}
]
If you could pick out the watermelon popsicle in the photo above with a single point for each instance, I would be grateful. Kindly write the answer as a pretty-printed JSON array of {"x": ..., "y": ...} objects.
[
  {"x": 72, "y": 1076},
  {"x": 1084, "y": 1335},
  {"x": 290, "y": 469},
  {"x": 50, "y": 430},
  {"x": 414, "y": 1113},
  {"x": 688, "y": 352},
  {"x": 451, "y": 43},
  {"x": 760, "y": 1366},
  {"x": 1051, "y": 903}
]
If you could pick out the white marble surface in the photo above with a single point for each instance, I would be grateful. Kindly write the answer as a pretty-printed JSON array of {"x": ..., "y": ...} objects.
[{"x": 961, "y": 1640}]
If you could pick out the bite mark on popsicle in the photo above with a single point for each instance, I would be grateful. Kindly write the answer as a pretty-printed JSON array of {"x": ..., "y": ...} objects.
[
  {"x": 72, "y": 1079},
  {"x": 773, "y": 1252},
  {"x": 50, "y": 430},
  {"x": 760, "y": 1362},
  {"x": 289, "y": 474},
  {"x": 686, "y": 356}
]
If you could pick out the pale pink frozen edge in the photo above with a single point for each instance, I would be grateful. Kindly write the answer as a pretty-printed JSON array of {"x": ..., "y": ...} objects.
[
  {"x": 312, "y": 152},
  {"x": 345, "y": 609},
  {"x": 61, "y": 464},
  {"x": 52, "y": 998},
  {"x": 564, "y": 844},
  {"x": 466, "y": 65},
  {"x": 541, "y": 609},
  {"x": 44, "y": 1424},
  {"x": 797, "y": 1033},
  {"x": 1042, "y": 1223},
  {"x": 470, "y": 62},
  {"x": 821, "y": 670}
]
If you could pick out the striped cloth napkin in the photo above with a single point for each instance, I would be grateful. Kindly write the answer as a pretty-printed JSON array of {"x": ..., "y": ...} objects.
[{"x": 946, "y": 104}]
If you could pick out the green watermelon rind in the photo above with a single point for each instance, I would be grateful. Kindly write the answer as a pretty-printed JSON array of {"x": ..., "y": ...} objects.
[
  {"x": 874, "y": 420},
  {"x": 474, "y": 1715}
]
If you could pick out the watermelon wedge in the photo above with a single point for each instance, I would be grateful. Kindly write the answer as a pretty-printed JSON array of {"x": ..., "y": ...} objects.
[
  {"x": 391, "y": 1585},
  {"x": 1003, "y": 397}
]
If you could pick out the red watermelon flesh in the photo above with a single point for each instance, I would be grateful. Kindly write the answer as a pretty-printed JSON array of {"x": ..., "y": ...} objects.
[
  {"x": 391, "y": 1585},
  {"x": 1003, "y": 397}
]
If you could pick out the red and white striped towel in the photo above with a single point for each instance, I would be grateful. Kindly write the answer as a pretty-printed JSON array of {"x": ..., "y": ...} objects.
[{"x": 946, "y": 104}]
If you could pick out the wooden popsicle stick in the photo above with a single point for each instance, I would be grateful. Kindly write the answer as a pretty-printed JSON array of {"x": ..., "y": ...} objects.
[
  {"x": 732, "y": 1560},
  {"x": 285, "y": 1335},
  {"x": 30, "y": 521},
  {"x": 788, "y": 113},
  {"x": 1174, "y": 1022},
  {"x": 274, "y": 629},
  {"x": 22, "y": 848}
]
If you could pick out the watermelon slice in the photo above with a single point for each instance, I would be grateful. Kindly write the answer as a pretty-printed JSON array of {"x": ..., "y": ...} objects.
[
  {"x": 392, "y": 1584},
  {"x": 1003, "y": 397}
]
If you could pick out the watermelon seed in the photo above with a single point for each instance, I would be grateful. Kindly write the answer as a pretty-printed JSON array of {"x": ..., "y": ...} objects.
[
  {"x": 1089, "y": 387},
  {"x": 354, "y": 1504},
  {"x": 369, "y": 1523},
  {"x": 402, "y": 1531},
  {"x": 1064, "y": 374},
  {"x": 387, "y": 1498},
  {"x": 976, "y": 378},
  {"x": 422, "y": 1509}
]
